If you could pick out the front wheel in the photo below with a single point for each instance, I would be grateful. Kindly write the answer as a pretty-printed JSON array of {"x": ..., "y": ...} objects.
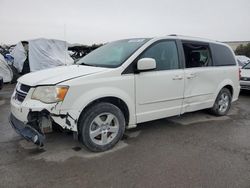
[
  {"x": 101, "y": 127},
  {"x": 222, "y": 103}
]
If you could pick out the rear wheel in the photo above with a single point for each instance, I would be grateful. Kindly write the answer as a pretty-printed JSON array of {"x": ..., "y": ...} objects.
[
  {"x": 222, "y": 103},
  {"x": 101, "y": 127}
]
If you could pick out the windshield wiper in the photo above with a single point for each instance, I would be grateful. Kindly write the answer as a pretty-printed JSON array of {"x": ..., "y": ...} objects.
[{"x": 87, "y": 64}]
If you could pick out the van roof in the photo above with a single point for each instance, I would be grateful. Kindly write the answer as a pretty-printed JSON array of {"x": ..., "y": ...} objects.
[
  {"x": 197, "y": 39},
  {"x": 182, "y": 37}
]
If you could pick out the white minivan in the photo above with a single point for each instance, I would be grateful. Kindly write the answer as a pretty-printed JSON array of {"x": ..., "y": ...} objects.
[{"x": 124, "y": 83}]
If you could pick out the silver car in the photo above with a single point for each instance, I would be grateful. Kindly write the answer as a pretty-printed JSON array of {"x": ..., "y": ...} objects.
[{"x": 245, "y": 77}]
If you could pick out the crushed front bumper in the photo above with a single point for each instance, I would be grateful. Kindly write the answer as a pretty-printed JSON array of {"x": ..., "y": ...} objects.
[{"x": 26, "y": 131}]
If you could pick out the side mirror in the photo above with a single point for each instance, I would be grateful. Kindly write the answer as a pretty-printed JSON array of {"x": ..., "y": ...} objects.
[{"x": 145, "y": 64}]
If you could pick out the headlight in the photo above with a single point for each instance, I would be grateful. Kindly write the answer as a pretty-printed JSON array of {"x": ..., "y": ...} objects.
[{"x": 50, "y": 94}]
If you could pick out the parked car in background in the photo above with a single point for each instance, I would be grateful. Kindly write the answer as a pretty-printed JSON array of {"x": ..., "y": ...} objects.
[
  {"x": 242, "y": 60},
  {"x": 124, "y": 83},
  {"x": 245, "y": 77}
]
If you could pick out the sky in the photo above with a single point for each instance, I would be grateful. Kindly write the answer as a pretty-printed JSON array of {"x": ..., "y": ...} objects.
[{"x": 100, "y": 21}]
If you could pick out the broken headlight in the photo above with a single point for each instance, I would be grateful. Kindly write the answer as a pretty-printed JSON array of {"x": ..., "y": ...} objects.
[{"x": 50, "y": 94}]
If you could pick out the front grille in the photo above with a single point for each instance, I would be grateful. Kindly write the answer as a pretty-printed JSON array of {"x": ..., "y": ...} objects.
[
  {"x": 21, "y": 92},
  {"x": 24, "y": 88},
  {"x": 245, "y": 78},
  {"x": 20, "y": 96},
  {"x": 245, "y": 87}
]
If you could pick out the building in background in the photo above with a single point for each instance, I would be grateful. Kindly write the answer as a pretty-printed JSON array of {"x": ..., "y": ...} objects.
[{"x": 235, "y": 44}]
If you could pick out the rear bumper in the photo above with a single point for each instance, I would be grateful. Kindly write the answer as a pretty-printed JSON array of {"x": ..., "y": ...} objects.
[{"x": 26, "y": 131}]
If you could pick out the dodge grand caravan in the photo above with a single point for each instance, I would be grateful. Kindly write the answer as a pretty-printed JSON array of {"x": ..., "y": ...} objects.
[{"x": 124, "y": 83}]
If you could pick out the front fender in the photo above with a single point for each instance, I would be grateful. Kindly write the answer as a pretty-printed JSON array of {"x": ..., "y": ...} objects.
[{"x": 88, "y": 97}]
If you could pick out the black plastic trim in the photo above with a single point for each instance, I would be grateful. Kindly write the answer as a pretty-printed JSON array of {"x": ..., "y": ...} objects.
[{"x": 26, "y": 131}]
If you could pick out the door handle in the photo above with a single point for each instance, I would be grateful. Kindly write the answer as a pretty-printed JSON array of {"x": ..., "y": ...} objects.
[
  {"x": 178, "y": 77},
  {"x": 190, "y": 76}
]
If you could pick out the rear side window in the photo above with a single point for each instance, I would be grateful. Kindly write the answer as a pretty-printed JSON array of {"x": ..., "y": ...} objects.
[
  {"x": 222, "y": 55},
  {"x": 197, "y": 55}
]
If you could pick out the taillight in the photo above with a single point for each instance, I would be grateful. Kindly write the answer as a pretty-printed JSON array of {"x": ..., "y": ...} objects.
[{"x": 239, "y": 73}]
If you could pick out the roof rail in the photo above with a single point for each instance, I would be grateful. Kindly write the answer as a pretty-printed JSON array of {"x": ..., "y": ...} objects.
[{"x": 193, "y": 37}]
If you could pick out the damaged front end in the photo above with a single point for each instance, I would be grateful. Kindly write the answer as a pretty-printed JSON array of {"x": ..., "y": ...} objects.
[
  {"x": 32, "y": 118},
  {"x": 28, "y": 131},
  {"x": 34, "y": 130},
  {"x": 38, "y": 124}
]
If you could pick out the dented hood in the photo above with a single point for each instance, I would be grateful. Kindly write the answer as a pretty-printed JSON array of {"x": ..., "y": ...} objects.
[{"x": 59, "y": 74}]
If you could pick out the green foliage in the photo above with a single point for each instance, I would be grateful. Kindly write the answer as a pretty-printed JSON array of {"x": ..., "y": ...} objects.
[{"x": 243, "y": 50}]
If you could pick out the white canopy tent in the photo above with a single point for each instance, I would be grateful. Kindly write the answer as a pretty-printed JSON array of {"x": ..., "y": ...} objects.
[{"x": 43, "y": 54}]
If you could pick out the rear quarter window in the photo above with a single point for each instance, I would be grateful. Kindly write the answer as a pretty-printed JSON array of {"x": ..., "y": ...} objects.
[{"x": 222, "y": 55}]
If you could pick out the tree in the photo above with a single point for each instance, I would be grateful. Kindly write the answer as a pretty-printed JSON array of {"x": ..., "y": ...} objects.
[{"x": 243, "y": 50}]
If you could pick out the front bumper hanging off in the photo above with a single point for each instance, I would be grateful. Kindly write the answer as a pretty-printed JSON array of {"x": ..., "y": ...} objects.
[{"x": 27, "y": 131}]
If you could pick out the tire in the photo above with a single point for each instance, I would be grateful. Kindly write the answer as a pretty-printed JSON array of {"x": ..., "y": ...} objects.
[
  {"x": 222, "y": 103},
  {"x": 101, "y": 127}
]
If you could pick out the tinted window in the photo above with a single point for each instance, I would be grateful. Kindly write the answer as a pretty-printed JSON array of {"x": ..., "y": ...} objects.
[
  {"x": 222, "y": 55},
  {"x": 197, "y": 55},
  {"x": 165, "y": 54}
]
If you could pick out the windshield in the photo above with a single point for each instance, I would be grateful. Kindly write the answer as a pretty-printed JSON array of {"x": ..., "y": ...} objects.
[
  {"x": 112, "y": 54},
  {"x": 247, "y": 66}
]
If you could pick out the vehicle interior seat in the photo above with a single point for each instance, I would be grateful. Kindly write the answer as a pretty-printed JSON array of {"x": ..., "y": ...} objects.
[{"x": 195, "y": 59}]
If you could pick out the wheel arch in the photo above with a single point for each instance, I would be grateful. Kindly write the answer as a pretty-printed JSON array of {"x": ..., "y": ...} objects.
[
  {"x": 230, "y": 88},
  {"x": 226, "y": 84},
  {"x": 216, "y": 109},
  {"x": 110, "y": 99}
]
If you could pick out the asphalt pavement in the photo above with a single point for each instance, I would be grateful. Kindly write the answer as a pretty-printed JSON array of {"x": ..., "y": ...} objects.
[{"x": 194, "y": 150}]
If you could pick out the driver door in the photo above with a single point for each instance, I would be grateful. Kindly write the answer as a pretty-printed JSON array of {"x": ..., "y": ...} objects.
[{"x": 159, "y": 92}]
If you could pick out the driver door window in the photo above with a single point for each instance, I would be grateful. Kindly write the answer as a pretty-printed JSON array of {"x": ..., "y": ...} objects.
[{"x": 165, "y": 54}]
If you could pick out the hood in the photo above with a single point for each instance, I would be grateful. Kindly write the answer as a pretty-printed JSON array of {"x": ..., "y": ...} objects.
[
  {"x": 245, "y": 73},
  {"x": 59, "y": 74}
]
